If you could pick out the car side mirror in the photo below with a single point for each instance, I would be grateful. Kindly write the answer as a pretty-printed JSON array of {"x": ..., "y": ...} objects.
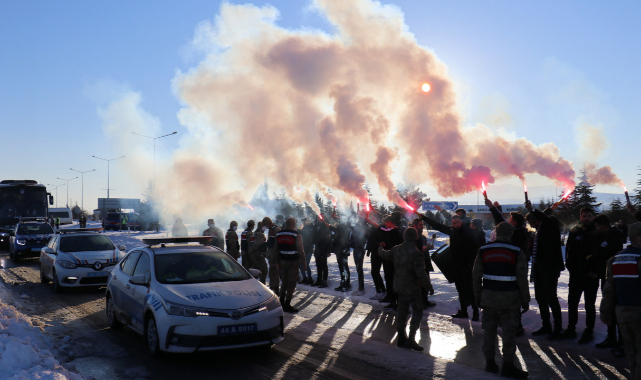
[
  {"x": 51, "y": 199},
  {"x": 122, "y": 248},
  {"x": 48, "y": 251},
  {"x": 140, "y": 279},
  {"x": 255, "y": 272}
]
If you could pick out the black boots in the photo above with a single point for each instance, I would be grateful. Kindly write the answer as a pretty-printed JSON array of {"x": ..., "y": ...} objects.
[
  {"x": 287, "y": 307},
  {"x": 544, "y": 330},
  {"x": 491, "y": 366},
  {"x": 586, "y": 337},
  {"x": 461, "y": 314},
  {"x": 509, "y": 370},
  {"x": 411, "y": 341}
]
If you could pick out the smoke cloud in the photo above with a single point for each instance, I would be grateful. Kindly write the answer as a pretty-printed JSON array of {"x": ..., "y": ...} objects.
[{"x": 319, "y": 112}]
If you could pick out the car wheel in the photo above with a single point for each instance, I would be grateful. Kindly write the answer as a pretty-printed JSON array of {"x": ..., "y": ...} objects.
[
  {"x": 114, "y": 323},
  {"x": 56, "y": 283},
  {"x": 43, "y": 278},
  {"x": 151, "y": 336}
]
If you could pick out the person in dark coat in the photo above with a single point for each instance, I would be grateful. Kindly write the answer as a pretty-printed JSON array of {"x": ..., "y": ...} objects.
[
  {"x": 373, "y": 242},
  {"x": 322, "y": 250},
  {"x": 390, "y": 236},
  {"x": 547, "y": 265},
  {"x": 424, "y": 247},
  {"x": 358, "y": 239},
  {"x": 464, "y": 245},
  {"x": 517, "y": 220},
  {"x": 582, "y": 244},
  {"x": 609, "y": 243}
]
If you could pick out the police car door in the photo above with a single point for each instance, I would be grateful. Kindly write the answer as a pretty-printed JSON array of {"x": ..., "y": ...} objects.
[
  {"x": 47, "y": 259},
  {"x": 138, "y": 293},
  {"x": 120, "y": 286}
]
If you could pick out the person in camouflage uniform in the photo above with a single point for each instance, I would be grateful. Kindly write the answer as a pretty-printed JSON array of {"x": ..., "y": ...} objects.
[
  {"x": 217, "y": 237},
  {"x": 257, "y": 252},
  {"x": 501, "y": 289},
  {"x": 622, "y": 294},
  {"x": 409, "y": 276},
  {"x": 246, "y": 240},
  {"x": 290, "y": 256},
  {"x": 231, "y": 240},
  {"x": 274, "y": 276}
]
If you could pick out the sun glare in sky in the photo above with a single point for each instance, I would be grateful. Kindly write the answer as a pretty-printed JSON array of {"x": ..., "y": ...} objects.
[{"x": 425, "y": 87}]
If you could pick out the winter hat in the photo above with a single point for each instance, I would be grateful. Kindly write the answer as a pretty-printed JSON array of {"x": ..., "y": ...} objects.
[
  {"x": 410, "y": 234},
  {"x": 634, "y": 229},
  {"x": 504, "y": 231}
]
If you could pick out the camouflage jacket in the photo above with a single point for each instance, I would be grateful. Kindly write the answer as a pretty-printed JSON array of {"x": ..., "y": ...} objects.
[
  {"x": 217, "y": 237},
  {"x": 409, "y": 269},
  {"x": 259, "y": 239}
]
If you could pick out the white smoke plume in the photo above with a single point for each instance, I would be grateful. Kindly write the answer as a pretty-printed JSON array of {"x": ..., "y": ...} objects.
[{"x": 313, "y": 111}]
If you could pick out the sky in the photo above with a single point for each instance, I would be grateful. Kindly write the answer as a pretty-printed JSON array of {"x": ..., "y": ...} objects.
[{"x": 535, "y": 69}]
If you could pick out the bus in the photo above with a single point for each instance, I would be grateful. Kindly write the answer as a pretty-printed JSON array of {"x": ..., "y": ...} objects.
[
  {"x": 64, "y": 213},
  {"x": 22, "y": 198}
]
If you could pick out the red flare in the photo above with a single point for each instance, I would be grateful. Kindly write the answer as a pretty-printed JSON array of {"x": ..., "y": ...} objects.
[
  {"x": 250, "y": 206},
  {"x": 525, "y": 191},
  {"x": 483, "y": 188},
  {"x": 320, "y": 216},
  {"x": 627, "y": 196}
]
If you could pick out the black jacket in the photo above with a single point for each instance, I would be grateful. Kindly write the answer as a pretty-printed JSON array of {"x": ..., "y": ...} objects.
[
  {"x": 549, "y": 255},
  {"x": 519, "y": 236},
  {"x": 609, "y": 244},
  {"x": 582, "y": 243},
  {"x": 464, "y": 244}
]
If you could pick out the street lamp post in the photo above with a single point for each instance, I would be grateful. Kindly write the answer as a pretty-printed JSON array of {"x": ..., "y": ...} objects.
[
  {"x": 155, "y": 138},
  {"x": 56, "y": 186},
  {"x": 70, "y": 179},
  {"x": 108, "y": 161},
  {"x": 82, "y": 174}
]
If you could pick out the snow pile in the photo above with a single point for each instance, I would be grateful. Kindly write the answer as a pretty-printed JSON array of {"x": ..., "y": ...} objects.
[{"x": 23, "y": 348}]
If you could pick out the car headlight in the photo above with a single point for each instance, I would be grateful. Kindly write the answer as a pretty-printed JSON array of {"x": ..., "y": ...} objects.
[
  {"x": 21, "y": 241},
  {"x": 272, "y": 304},
  {"x": 67, "y": 264},
  {"x": 182, "y": 311}
]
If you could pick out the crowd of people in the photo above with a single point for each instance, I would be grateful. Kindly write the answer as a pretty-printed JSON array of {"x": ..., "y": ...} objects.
[{"x": 491, "y": 276}]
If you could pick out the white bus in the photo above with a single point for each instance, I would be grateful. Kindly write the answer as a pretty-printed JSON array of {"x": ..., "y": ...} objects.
[{"x": 63, "y": 213}]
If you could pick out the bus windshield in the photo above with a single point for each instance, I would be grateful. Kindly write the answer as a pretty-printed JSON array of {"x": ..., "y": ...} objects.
[{"x": 16, "y": 201}]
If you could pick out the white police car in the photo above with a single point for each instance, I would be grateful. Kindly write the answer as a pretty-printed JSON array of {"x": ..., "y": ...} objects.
[
  {"x": 78, "y": 257},
  {"x": 189, "y": 297}
]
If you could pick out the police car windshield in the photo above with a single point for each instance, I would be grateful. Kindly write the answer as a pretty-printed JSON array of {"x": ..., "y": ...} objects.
[
  {"x": 198, "y": 267},
  {"x": 78, "y": 243},
  {"x": 26, "y": 229}
]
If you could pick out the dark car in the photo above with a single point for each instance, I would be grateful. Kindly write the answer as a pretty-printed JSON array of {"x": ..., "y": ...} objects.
[
  {"x": 112, "y": 221},
  {"x": 28, "y": 239}
]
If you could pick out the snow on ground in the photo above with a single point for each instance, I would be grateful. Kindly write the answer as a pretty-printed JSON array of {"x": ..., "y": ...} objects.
[{"x": 24, "y": 352}]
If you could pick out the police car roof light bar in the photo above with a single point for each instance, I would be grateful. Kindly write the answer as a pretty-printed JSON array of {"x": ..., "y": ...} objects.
[
  {"x": 185, "y": 239},
  {"x": 32, "y": 218},
  {"x": 72, "y": 230}
]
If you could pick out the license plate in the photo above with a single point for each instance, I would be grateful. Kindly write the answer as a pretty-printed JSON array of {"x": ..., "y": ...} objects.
[
  {"x": 247, "y": 328},
  {"x": 97, "y": 274}
]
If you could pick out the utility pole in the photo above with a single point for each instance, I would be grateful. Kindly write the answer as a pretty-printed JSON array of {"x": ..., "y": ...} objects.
[
  {"x": 70, "y": 179},
  {"x": 82, "y": 202},
  {"x": 108, "y": 161},
  {"x": 155, "y": 138}
]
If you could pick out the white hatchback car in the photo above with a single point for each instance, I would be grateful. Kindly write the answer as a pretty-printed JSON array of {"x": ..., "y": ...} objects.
[
  {"x": 78, "y": 257},
  {"x": 189, "y": 297}
]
